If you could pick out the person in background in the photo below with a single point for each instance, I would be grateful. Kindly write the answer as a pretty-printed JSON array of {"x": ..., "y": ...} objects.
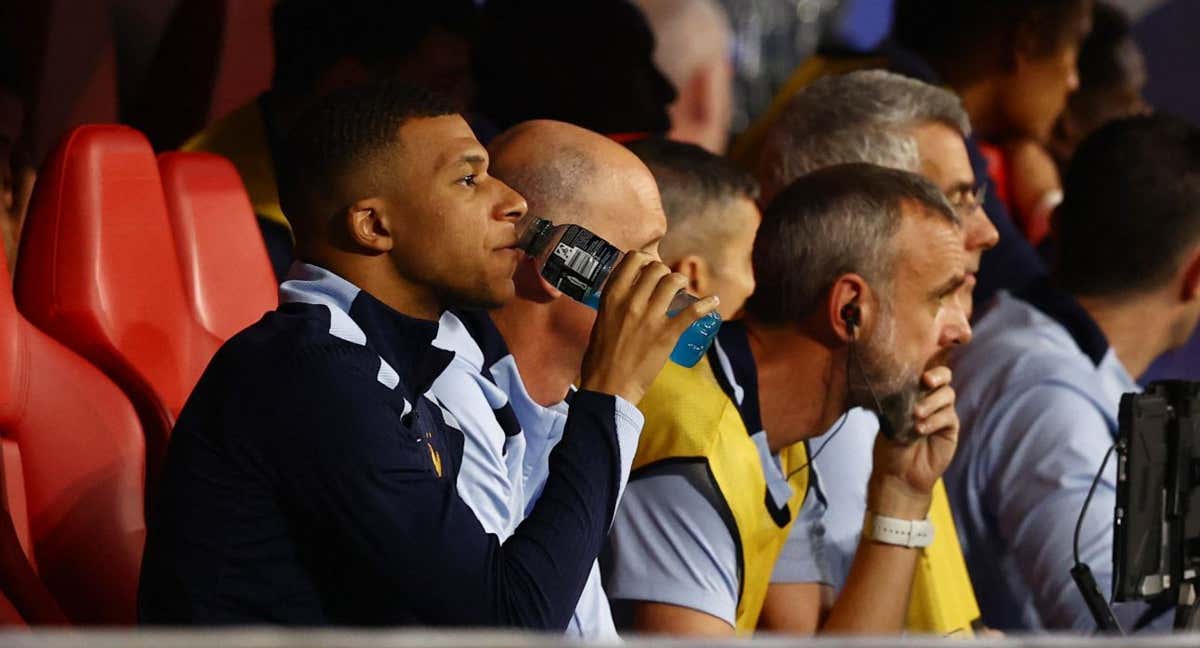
[
  {"x": 1011, "y": 63},
  {"x": 1041, "y": 384},
  {"x": 887, "y": 119},
  {"x": 322, "y": 46},
  {"x": 587, "y": 62},
  {"x": 692, "y": 47},
  {"x": 850, "y": 261},
  {"x": 711, "y": 219},
  {"x": 312, "y": 477},
  {"x": 1112, "y": 74},
  {"x": 511, "y": 385}
]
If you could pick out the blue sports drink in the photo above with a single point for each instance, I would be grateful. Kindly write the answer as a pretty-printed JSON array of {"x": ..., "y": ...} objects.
[{"x": 577, "y": 263}]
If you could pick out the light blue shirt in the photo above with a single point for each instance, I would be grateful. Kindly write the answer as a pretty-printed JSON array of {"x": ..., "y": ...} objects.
[
  {"x": 845, "y": 458},
  {"x": 1038, "y": 393},
  {"x": 508, "y": 440},
  {"x": 673, "y": 541}
]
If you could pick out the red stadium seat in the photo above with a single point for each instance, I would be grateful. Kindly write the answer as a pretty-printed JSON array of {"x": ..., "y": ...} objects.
[
  {"x": 74, "y": 453},
  {"x": 98, "y": 271},
  {"x": 226, "y": 270},
  {"x": 15, "y": 501}
]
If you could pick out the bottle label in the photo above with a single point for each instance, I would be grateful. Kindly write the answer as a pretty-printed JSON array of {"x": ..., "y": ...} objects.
[{"x": 580, "y": 263}]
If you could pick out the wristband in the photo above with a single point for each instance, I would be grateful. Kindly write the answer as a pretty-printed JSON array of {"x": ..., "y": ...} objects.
[{"x": 914, "y": 534}]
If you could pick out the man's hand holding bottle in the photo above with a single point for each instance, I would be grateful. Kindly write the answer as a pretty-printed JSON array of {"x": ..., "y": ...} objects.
[{"x": 633, "y": 335}]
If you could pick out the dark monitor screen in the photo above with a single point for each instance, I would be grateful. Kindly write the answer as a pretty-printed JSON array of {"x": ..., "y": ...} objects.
[{"x": 1157, "y": 519}]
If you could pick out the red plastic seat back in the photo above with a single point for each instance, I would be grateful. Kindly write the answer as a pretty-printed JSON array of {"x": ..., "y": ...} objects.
[
  {"x": 15, "y": 500},
  {"x": 226, "y": 269},
  {"x": 98, "y": 272},
  {"x": 82, "y": 455}
]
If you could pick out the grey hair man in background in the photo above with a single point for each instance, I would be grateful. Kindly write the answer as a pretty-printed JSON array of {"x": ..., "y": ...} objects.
[
  {"x": 692, "y": 41},
  {"x": 894, "y": 121}
]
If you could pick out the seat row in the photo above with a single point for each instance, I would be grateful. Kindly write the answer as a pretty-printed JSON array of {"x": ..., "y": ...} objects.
[{"x": 132, "y": 270}]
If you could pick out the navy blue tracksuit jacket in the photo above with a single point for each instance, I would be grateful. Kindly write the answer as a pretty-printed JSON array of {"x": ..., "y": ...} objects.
[{"x": 310, "y": 480}]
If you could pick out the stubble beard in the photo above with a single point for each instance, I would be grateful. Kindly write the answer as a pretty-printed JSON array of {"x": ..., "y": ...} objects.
[{"x": 897, "y": 387}]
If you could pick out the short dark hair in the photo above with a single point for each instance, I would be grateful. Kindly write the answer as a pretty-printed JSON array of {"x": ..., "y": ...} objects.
[
  {"x": 1131, "y": 207},
  {"x": 311, "y": 35},
  {"x": 966, "y": 38},
  {"x": 694, "y": 185},
  {"x": 830, "y": 222},
  {"x": 341, "y": 134}
]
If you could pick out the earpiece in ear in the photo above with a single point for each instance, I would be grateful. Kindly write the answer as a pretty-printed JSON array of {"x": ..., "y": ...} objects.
[{"x": 852, "y": 316}]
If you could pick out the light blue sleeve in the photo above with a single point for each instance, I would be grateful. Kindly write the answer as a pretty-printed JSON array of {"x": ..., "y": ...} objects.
[
  {"x": 629, "y": 431},
  {"x": 805, "y": 556},
  {"x": 1051, "y": 444},
  {"x": 489, "y": 480},
  {"x": 669, "y": 544}
]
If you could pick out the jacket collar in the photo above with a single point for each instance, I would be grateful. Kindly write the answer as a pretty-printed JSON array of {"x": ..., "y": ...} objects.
[
  {"x": 409, "y": 361},
  {"x": 1066, "y": 311}
]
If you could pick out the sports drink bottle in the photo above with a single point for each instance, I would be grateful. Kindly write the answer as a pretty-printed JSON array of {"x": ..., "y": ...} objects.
[{"x": 577, "y": 263}]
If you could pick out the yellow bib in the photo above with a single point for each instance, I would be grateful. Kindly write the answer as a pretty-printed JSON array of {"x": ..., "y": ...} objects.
[
  {"x": 942, "y": 600},
  {"x": 689, "y": 417}
]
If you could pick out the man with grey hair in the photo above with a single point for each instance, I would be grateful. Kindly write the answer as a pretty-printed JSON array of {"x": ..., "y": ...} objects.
[
  {"x": 895, "y": 121},
  {"x": 692, "y": 47},
  {"x": 886, "y": 119},
  {"x": 858, "y": 268}
]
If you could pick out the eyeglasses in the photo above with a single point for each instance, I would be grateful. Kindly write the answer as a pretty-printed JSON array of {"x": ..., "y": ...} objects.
[{"x": 966, "y": 202}]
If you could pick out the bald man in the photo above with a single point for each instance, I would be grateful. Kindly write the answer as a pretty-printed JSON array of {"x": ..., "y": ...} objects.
[
  {"x": 692, "y": 40},
  {"x": 510, "y": 383}
]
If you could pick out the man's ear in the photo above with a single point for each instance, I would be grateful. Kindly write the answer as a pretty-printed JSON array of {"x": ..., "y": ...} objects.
[
  {"x": 530, "y": 284},
  {"x": 367, "y": 224},
  {"x": 849, "y": 291},
  {"x": 698, "y": 273}
]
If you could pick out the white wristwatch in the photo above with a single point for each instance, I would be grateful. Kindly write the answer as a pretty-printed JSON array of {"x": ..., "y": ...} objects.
[{"x": 894, "y": 531}]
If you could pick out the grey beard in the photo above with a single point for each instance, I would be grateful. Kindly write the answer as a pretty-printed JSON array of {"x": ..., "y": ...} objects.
[
  {"x": 897, "y": 393},
  {"x": 898, "y": 413}
]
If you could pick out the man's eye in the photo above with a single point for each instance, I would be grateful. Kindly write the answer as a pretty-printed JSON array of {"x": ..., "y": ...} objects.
[{"x": 467, "y": 181}]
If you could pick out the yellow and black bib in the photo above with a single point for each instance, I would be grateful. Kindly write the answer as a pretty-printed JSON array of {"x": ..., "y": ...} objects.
[
  {"x": 709, "y": 415},
  {"x": 692, "y": 416}
]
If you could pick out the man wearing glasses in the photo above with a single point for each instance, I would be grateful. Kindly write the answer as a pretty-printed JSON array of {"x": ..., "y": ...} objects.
[{"x": 894, "y": 121}]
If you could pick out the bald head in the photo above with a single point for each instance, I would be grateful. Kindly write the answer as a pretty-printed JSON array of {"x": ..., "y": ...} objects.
[
  {"x": 572, "y": 175},
  {"x": 568, "y": 175}
]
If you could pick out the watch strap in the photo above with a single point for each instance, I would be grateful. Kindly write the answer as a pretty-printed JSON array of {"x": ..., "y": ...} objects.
[{"x": 894, "y": 531}]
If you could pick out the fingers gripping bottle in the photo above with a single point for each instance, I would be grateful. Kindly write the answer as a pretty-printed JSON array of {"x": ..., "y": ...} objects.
[{"x": 577, "y": 263}]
